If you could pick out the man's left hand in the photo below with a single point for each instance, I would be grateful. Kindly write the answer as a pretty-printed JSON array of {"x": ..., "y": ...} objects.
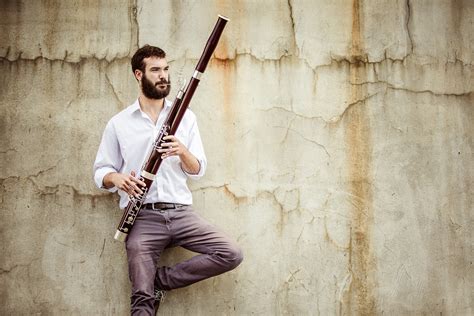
[{"x": 172, "y": 147}]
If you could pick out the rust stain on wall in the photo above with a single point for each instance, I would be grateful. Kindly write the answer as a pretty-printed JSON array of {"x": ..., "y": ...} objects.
[{"x": 360, "y": 299}]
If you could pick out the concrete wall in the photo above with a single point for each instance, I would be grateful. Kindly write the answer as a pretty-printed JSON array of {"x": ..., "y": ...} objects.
[{"x": 340, "y": 144}]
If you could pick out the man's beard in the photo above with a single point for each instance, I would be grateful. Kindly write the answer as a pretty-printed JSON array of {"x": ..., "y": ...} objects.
[{"x": 151, "y": 90}]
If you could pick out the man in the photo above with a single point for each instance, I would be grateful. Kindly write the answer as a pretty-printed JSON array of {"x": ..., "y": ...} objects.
[{"x": 167, "y": 219}]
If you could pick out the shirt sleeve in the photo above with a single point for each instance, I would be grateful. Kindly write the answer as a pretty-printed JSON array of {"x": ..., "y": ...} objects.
[
  {"x": 108, "y": 157},
  {"x": 196, "y": 148}
]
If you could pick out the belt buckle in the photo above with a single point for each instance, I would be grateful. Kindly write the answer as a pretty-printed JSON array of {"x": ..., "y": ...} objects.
[{"x": 169, "y": 206}]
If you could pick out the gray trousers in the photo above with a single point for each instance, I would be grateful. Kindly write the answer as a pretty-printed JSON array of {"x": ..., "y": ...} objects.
[{"x": 155, "y": 230}]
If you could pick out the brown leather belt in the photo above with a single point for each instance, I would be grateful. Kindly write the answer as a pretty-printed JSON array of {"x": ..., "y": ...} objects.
[{"x": 161, "y": 206}]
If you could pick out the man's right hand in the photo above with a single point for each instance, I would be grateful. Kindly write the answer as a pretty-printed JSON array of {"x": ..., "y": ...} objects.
[{"x": 127, "y": 183}]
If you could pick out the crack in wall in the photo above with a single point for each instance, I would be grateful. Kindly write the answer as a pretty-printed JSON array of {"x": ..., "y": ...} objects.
[
  {"x": 283, "y": 211},
  {"x": 294, "y": 113},
  {"x": 333, "y": 59},
  {"x": 358, "y": 60},
  {"x": 407, "y": 26},
  {"x": 102, "y": 250},
  {"x": 337, "y": 118},
  {"x": 47, "y": 190},
  {"x": 41, "y": 172},
  {"x": 8, "y": 150},
  {"x": 32, "y": 176},
  {"x": 289, "y": 129},
  {"x": 114, "y": 93},
  {"x": 332, "y": 120},
  {"x": 79, "y": 61},
  {"x": 246, "y": 198},
  {"x": 8, "y": 270},
  {"x": 18, "y": 265},
  {"x": 66, "y": 58},
  {"x": 225, "y": 188},
  {"x": 390, "y": 86},
  {"x": 55, "y": 189},
  {"x": 355, "y": 60},
  {"x": 293, "y": 28},
  {"x": 135, "y": 26},
  {"x": 437, "y": 94}
]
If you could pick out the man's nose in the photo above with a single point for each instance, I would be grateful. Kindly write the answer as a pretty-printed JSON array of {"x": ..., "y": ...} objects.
[{"x": 162, "y": 75}]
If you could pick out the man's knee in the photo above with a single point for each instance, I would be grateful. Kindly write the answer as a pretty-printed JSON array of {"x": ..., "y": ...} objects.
[{"x": 234, "y": 256}]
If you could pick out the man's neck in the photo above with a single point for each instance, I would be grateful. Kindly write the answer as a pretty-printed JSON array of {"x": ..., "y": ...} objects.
[{"x": 152, "y": 107}]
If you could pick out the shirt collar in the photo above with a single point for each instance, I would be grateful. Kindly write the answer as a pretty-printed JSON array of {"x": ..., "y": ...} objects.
[
  {"x": 136, "y": 106},
  {"x": 167, "y": 103}
]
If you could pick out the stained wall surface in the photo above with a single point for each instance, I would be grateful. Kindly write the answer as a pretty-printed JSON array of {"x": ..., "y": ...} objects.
[{"x": 339, "y": 136}]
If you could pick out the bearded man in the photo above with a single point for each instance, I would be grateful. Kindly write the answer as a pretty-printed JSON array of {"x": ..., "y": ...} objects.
[{"x": 167, "y": 218}]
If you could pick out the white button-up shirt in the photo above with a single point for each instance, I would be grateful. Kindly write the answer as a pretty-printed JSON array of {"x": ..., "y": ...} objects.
[{"x": 125, "y": 145}]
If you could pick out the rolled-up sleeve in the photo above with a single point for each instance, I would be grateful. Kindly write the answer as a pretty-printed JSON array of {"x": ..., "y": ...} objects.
[
  {"x": 108, "y": 157},
  {"x": 196, "y": 148}
]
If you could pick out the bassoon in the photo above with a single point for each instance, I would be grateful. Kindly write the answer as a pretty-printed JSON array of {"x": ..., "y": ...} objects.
[{"x": 169, "y": 127}]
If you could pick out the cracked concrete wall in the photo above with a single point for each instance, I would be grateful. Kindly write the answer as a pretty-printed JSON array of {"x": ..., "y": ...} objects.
[{"x": 340, "y": 144}]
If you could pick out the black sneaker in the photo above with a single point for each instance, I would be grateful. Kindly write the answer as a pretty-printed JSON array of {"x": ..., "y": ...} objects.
[{"x": 159, "y": 298}]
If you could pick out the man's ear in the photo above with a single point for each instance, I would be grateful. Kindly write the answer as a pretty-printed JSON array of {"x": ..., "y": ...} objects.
[{"x": 138, "y": 74}]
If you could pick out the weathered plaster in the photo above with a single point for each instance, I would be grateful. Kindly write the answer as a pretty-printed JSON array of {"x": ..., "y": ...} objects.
[
  {"x": 339, "y": 139},
  {"x": 69, "y": 31}
]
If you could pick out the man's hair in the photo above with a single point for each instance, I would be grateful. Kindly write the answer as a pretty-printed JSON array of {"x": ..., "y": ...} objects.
[{"x": 145, "y": 52}]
